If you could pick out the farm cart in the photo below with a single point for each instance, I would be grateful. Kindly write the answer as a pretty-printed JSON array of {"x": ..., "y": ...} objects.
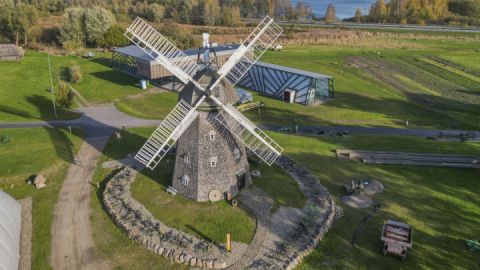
[{"x": 397, "y": 238}]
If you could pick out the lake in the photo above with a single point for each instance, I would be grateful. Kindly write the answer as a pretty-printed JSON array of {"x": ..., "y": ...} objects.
[{"x": 344, "y": 8}]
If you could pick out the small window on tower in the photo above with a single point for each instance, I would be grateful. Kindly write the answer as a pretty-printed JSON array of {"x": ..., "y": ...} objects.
[
  {"x": 186, "y": 159},
  {"x": 185, "y": 180},
  {"x": 211, "y": 135},
  {"x": 213, "y": 162},
  {"x": 236, "y": 153}
]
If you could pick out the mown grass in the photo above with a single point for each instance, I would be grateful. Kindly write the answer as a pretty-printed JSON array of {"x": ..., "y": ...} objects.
[
  {"x": 440, "y": 203},
  {"x": 24, "y": 94},
  {"x": 150, "y": 106},
  {"x": 38, "y": 151},
  {"x": 279, "y": 185},
  {"x": 201, "y": 219}
]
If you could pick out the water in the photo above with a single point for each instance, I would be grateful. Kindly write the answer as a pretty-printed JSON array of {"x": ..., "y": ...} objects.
[{"x": 344, "y": 8}]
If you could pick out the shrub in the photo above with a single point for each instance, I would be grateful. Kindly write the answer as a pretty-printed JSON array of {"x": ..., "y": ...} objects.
[
  {"x": 74, "y": 73},
  {"x": 64, "y": 95},
  {"x": 113, "y": 38}
]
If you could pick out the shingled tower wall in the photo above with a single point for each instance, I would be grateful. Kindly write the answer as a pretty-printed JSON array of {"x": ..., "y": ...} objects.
[{"x": 206, "y": 142}]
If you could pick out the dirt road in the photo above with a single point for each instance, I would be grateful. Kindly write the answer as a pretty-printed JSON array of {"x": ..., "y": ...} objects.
[{"x": 72, "y": 243}]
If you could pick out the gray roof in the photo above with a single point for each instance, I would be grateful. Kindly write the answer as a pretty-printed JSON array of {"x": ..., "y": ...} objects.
[
  {"x": 293, "y": 70},
  {"x": 135, "y": 51},
  {"x": 10, "y": 50}
]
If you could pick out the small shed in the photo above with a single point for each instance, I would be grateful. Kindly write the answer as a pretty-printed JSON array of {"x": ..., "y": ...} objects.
[{"x": 10, "y": 52}]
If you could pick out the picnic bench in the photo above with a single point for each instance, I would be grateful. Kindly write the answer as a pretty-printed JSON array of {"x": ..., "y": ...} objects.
[
  {"x": 172, "y": 191},
  {"x": 397, "y": 238}
]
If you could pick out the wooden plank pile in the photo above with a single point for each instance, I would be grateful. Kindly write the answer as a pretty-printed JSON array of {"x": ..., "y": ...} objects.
[{"x": 414, "y": 159}]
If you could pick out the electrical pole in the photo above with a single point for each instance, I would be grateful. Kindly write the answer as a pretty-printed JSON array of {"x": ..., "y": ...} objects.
[{"x": 51, "y": 87}]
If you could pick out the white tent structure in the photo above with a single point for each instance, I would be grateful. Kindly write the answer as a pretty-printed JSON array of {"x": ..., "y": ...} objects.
[{"x": 10, "y": 224}]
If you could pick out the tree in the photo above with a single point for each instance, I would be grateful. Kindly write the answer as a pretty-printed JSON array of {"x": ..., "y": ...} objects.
[
  {"x": 97, "y": 22},
  {"x": 25, "y": 18},
  {"x": 64, "y": 95},
  {"x": 72, "y": 34},
  {"x": 7, "y": 8},
  {"x": 211, "y": 11},
  {"x": 114, "y": 37},
  {"x": 230, "y": 15},
  {"x": 358, "y": 15},
  {"x": 330, "y": 14},
  {"x": 378, "y": 11},
  {"x": 156, "y": 12}
]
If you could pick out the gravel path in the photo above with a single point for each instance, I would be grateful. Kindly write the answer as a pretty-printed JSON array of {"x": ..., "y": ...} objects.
[
  {"x": 26, "y": 235},
  {"x": 261, "y": 204},
  {"x": 72, "y": 243}
]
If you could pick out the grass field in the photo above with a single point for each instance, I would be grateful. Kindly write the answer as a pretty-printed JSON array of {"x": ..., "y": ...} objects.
[
  {"x": 24, "y": 94},
  {"x": 440, "y": 203},
  {"x": 150, "y": 106},
  {"x": 33, "y": 151},
  {"x": 149, "y": 189}
]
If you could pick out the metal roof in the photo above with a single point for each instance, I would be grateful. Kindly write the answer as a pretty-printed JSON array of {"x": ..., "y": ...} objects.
[
  {"x": 135, "y": 51},
  {"x": 10, "y": 224},
  {"x": 293, "y": 70}
]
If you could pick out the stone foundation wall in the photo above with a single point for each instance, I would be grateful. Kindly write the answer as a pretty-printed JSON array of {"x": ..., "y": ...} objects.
[{"x": 142, "y": 227}]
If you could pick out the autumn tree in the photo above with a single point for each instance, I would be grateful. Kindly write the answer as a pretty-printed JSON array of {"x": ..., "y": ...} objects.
[
  {"x": 156, "y": 12},
  {"x": 97, "y": 22},
  {"x": 211, "y": 12},
  {"x": 72, "y": 35},
  {"x": 358, "y": 15},
  {"x": 330, "y": 14},
  {"x": 378, "y": 11}
]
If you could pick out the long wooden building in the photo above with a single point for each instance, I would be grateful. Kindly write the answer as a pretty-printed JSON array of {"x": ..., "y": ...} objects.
[{"x": 285, "y": 83}]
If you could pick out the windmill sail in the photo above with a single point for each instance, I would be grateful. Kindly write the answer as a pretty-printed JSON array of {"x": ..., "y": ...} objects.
[
  {"x": 256, "y": 44},
  {"x": 166, "y": 134},
  {"x": 162, "y": 50},
  {"x": 252, "y": 136}
]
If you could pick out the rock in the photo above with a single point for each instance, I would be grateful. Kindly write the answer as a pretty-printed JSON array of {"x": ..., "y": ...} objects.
[
  {"x": 209, "y": 264},
  {"x": 39, "y": 179},
  {"x": 178, "y": 258},
  {"x": 219, "y": 264},
  {"x": 160, "y": 251},
  {"x": 199, "y": 262},
  {"x": 187, "y": 258},
  {"x": 40, "y": 185},
  {"x": 193, "y": 261}
]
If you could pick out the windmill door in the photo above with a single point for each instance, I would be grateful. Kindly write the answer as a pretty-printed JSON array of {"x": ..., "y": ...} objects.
[{"x": 241, "y": 180}]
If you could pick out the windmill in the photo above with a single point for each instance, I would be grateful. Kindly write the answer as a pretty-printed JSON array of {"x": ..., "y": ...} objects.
[{"x": 211, "y": 134}]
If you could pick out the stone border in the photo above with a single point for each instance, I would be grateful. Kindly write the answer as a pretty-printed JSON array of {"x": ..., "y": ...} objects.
[
  {"x": 306, "y": 180},
  {"x": 141, "y": 226}
]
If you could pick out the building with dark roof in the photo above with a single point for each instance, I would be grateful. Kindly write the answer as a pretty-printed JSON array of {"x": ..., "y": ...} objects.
[{"x": 285, "y": 83}]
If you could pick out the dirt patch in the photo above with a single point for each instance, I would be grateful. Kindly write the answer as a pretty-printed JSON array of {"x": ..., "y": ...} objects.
[
  {"x": 357, "y": 201},
  {"x": 373, "y": 187},
  {"x": 26, "y": 235}
]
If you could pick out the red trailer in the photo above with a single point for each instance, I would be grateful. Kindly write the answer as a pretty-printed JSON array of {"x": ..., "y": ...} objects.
[{"x": 397, "y": 238}]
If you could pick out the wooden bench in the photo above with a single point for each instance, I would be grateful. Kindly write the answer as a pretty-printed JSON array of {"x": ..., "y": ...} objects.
[{"x": 171, "y": 191}]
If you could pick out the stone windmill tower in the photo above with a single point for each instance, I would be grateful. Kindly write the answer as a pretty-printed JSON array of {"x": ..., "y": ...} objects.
[{"x": 211, "y": 135}]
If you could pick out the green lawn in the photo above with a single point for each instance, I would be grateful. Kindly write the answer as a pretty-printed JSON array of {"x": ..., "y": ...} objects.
[
  {"x": 150, "y": 106},
  {"x": 45, "y": 151},
  {"x": 24, "y": 94},
  {"x": 188, "y": 216},
  {"x": 279, "y": 185},
  {"x": 440, "y": 203}
]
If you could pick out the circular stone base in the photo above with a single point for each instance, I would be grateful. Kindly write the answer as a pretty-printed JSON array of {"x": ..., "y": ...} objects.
[
  {"x": 255, "y": 173},
  {"x": 357, "y": 201}
]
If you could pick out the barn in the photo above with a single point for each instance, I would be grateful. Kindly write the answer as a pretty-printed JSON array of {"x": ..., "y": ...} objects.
[
  {"x": 10, "y": 52},
  {"x": 285, "y": 83}
]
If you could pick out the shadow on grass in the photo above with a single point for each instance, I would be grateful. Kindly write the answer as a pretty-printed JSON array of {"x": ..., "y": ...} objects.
[{"x": 117, "y": 77}]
